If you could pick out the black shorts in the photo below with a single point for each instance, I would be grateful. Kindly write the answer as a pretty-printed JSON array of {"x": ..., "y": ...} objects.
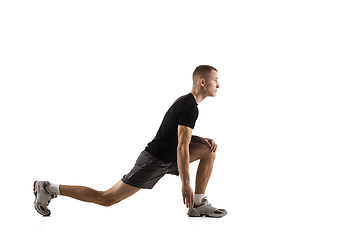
[{"x": 148, "y": 170}]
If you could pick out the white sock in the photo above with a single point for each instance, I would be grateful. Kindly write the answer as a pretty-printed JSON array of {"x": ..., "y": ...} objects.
[
  {"x": 55, "y": 188},
  {"x": 198, "y": 198}
]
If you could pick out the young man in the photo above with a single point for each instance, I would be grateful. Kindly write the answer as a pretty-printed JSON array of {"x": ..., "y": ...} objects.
[{"x": 170, "y": 152}]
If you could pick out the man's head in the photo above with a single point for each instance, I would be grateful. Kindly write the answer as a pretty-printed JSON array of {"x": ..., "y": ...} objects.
[{"x": 206, "y": 77}]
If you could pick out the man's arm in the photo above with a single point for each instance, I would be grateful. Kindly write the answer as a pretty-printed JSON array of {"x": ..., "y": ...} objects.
[{"x": 183, "y": 161}]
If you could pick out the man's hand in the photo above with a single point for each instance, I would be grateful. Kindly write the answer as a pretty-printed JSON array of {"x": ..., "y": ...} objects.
[
  {"x": 188, "y": 196},
  {"x": 210, "y": 143}
]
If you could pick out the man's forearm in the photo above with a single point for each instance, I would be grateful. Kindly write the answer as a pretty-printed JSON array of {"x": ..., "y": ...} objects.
[{"x": 183, "y": 161}]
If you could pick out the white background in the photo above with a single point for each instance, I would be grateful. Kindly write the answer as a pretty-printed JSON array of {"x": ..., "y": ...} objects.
[{"x": 85, "y": 85}]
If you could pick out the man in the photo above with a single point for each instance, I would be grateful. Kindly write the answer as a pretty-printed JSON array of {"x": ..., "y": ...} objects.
[{"x": 170, "y": 152}]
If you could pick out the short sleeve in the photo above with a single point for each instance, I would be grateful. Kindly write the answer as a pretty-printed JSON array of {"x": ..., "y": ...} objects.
[{"x": 188, "y": 116}]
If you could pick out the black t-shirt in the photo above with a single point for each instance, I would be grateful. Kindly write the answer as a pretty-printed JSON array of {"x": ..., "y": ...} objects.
[{"x": 184, "y": 111}]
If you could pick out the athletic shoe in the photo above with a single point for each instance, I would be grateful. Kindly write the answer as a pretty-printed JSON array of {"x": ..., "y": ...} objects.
[
  {"x": 205, "y": 209},
  {"x": 43, "y": 197}
]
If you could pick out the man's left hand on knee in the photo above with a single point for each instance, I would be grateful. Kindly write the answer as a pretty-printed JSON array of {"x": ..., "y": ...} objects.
[{"x": 211, "y": 144}]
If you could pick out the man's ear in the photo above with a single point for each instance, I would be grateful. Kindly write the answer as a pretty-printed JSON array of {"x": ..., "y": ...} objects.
[{"x": 202, "y": 82}]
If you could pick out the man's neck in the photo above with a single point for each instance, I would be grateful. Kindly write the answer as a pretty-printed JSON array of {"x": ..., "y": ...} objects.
[{"x": 199, "y": 97}]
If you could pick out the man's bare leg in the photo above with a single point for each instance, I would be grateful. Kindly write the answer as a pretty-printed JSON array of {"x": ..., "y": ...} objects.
[
  {"x": 207, "y": 158},
  {"x": 115, "y": 194}
]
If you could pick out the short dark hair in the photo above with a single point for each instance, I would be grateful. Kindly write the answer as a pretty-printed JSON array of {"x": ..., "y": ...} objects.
[{"x": 202, "y": 71}]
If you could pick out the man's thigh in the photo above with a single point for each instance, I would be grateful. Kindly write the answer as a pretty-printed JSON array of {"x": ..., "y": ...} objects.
[{"x": 198, "y": 151}]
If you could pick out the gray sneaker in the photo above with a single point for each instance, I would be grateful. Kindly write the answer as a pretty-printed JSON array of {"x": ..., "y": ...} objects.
[
  {"x": 205, "y": 209},
  {"x": 42, "y": 197}
]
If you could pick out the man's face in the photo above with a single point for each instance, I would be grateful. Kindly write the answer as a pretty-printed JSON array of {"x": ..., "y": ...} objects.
[{"x": 211, "y": 84}]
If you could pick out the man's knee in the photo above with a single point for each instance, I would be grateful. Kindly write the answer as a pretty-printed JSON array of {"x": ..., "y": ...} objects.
[
  {"x": 211, "y": 156},
  {"x": 107, "y": 201}
]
